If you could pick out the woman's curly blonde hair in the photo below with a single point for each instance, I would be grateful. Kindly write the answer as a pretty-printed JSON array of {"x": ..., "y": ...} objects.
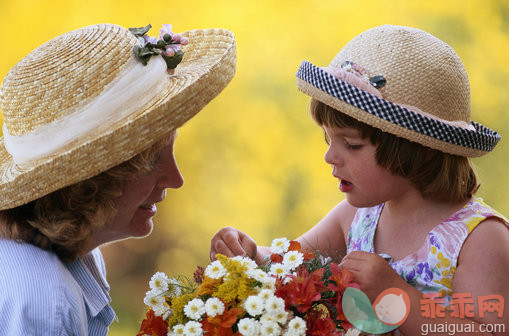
[{"x": 64, "y": 220}]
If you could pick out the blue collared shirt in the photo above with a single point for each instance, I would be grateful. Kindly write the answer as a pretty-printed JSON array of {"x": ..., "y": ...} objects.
[{"x": 40, "y": 295}]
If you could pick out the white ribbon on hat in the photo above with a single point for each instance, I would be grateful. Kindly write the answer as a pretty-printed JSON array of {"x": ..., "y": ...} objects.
[{"x": 134, "y": 87}]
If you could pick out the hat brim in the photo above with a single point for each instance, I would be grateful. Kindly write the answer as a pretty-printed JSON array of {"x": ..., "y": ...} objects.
[
  {"x": 393, "y": 118},
  {"x": 207, "y": 67}
]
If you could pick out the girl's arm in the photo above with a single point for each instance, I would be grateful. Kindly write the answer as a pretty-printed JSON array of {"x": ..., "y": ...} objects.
[
  {"x": 329, "y": 235},
  {"x": 326, "y": 236},
  {"x": 483, "y": 269}
]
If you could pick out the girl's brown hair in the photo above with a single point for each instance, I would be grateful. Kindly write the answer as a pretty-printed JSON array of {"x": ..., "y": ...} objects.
[
  {"x": 64, "y": 220},
  {"x": 435, "y": 174}
]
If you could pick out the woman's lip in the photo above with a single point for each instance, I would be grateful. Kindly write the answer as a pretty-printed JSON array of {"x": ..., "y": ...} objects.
[{"x": 149, "y": 210}]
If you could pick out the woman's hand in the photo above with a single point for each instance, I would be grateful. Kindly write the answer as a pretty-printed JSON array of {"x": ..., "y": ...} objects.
[
  {"x": 232, "y": 242},
  {"x": 372, "y": 272}
]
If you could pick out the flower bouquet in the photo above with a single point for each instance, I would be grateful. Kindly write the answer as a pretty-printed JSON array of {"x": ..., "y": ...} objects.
[{"x": 296, "y": 293}]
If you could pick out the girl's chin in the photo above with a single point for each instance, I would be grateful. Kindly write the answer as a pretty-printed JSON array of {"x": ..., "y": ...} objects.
[{"x": 360, "y": 203}]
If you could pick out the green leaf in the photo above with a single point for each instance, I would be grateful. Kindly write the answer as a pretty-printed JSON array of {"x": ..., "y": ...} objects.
[
  {"x": 141, "y": 30},
  {"x": 142, "y": 54},
  {"x": 172, "y": 62}
]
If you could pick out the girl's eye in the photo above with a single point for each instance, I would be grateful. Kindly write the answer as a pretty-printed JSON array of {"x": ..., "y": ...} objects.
[{"x": 352, "y": 146}]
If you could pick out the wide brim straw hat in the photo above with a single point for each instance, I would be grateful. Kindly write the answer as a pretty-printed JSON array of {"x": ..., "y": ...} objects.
[
  {"x": 421, "y": 89},
  {"x": 82, "y": 103}
]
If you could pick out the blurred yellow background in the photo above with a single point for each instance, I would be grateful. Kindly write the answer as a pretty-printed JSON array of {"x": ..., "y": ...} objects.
[{"x": 253, "y": 158}]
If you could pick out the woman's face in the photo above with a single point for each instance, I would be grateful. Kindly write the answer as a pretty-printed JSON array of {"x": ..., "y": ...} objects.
[{"x": 137, "y": 205}]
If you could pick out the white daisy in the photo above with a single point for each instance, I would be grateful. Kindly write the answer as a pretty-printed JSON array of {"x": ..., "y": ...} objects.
[
  {"x": 293, "y": 259},
  {"x": 278, "y": 269},
  {"x": 266, "y": 318},
  {"x": 270, "y": 284},
  {"x": 279, "y": 245},
  {"x": 153, "y": 299},
  {"x": 159, "y": 283},
  {"x": 194, "y": 309},
  {"x": 280, "y": 317},
  {"x": 258, "y": 275},
  {"x": 265, "y": 294},
  {"x": 248, "y": 326},
  {"x": 275, "y": 305},
  {"x": 215, "y": 270},
  {"x": 214, "y": 307},
  {"x": 254, "y": 305},
  {"x": 250, "y": 264},
  {"x": 161, "y": 309},
  {"x": 178, "y": 329},
  {"x": 353, "y": 332},
  {"x": 174, "y": 288},
  {"x": 270, "y": 328},
  {"x": 193, "y": 328},
  {"x": 297, "y": 326}
]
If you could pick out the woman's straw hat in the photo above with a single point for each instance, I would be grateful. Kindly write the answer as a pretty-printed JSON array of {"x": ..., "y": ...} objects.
[
  {"x": 406, "y": 82},
  {"x": 82, "y": 103}
]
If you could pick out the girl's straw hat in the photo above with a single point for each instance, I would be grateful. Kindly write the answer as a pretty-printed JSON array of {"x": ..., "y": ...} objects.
[
  {"x": 83, "y": 103},
  {"x": 406, "y": 82}
]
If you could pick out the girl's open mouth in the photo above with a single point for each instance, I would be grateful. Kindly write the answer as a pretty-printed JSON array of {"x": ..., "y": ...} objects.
[{"x": 345, "y": 186}]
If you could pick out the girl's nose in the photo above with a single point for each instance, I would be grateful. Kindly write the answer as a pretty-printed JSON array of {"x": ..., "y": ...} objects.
[
  {"x": 171, "y": 177},
  {"x": 332, "y": 157}
]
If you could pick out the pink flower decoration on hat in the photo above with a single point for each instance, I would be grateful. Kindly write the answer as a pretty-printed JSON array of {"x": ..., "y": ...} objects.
[{"x": 168, "y": 45}]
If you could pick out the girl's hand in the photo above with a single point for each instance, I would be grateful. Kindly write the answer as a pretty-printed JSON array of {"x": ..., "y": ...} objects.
[
  {"x": 372, "y": 272},
  {"x": 232, "y": 242}
]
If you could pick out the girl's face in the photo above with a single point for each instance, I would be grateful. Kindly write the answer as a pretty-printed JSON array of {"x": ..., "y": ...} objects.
[
  {"x": 136, "y": 206},
  {"x": 353, "y": 162}
]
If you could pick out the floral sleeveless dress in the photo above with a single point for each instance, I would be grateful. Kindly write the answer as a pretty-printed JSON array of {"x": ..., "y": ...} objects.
[{"x": 431, "y": 268}]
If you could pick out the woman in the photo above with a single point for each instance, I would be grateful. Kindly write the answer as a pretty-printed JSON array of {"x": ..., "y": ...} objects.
[{"x": 90, "y": 120}]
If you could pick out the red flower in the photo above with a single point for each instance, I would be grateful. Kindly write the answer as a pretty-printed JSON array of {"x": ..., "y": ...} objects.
[
  {"x": 153, "y": 325},
  {"x": 276, "y": 258},
  {"x": 318, "y": 325},
  {"x": 302, "y": 291},
  {"x": 340, "y": 280}
]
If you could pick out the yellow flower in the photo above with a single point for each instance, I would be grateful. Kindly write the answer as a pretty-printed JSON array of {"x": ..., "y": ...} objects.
[
  {"x": 177, "y": 305},
  {"x": 434, "y": 249},
  {"x": 443, "y": 261},
  {"x": 446, "y": 282}
]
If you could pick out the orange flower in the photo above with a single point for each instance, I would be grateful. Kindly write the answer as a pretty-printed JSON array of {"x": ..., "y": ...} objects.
[
  {"x": 222, "y": 325},
  {"x": 153, "y": 325},
  {"x": 294, "y": 246},
  {"x": 207, "y": 286}
]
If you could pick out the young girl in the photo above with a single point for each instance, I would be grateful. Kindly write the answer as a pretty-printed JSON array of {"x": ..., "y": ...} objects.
[{"x": 395, "y": 108}]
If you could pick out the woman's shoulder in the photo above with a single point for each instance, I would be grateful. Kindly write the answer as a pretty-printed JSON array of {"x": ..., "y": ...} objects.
[
  {"x": 29, "y": 272},
  {"x": 36, "y": 290},
  {"x": 17, "y": 257}
]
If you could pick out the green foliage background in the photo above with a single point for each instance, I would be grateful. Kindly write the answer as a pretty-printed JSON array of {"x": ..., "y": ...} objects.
[{"x": 253, "y": 158}]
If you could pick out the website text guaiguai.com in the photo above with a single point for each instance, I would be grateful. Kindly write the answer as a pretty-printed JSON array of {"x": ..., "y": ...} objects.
[{"x": 454, "y": 328}]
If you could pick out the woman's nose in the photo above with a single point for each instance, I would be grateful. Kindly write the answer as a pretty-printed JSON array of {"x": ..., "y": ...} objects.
[{"x": 171, "y": 178}]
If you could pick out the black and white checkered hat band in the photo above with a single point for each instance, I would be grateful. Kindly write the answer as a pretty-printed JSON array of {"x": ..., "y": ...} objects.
[{"x": 483, "y": 138}]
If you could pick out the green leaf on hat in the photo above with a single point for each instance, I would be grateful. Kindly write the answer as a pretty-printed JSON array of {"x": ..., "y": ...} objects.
[
  {"x": 172, "y": 62},
  {"x": 139, "y": 32}
]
